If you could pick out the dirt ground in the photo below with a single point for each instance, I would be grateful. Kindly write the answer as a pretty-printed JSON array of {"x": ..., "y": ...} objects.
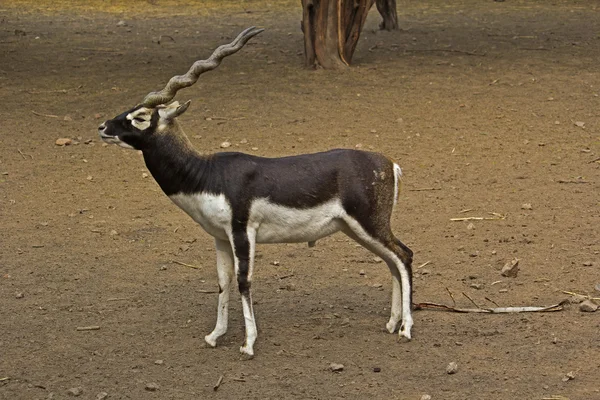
[{"x": 489, "y": 107}]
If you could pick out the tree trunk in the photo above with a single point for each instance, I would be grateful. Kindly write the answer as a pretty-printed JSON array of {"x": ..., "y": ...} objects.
[
  {"x": 387, "y": 9},
  {"x": 331, "y": 30}
]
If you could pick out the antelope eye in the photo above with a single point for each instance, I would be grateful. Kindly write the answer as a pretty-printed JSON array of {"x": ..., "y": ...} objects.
[{"x": 138, "y": 119}]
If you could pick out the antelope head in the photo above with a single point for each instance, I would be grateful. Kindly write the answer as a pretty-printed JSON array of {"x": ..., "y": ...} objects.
[{"x": 135, "y": 128}]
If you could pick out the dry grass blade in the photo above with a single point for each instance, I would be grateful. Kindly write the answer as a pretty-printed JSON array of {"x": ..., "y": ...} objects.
[
  {"x": 88, "y": 328},
  {"x": 44, "y": 115}
]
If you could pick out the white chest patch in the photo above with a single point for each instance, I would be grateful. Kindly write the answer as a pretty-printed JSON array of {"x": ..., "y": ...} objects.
[
  {"x": 211, "y": 211},
  {"x": 274, "y": 223}
]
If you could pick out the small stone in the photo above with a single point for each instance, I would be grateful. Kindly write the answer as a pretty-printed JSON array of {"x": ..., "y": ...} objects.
[
  {"x": 588, "y": 306},
  {"x": 63, "y": 142},
  {"x": 511, "y": 268},
  {"x": 477, "y": 286},
  {"x": 452, "y": 368},
  {"x": 471, "y": 226},
  {"x": 67, "y": 118},
  {"x": 580, "y": 124},
  {"x": 225, "y": 145},
  {"x": 163, "y": 267},
  {"x": 152, "y": 387},
  {"x": 121, "y": 23},
  {"x": 144, "y": 175},
  {"x": 159, "y": 362},
  {"x": 362, "y": 272},
  {"x": 113, "y": 232},
  {"x": 97, "y": 115},
  {"x": 19, "y": 295},
  {"x": 101, "y": 396},
  {"x": 426, "y": 397},
  {"x": 335, "y": 367},
  {"x": 526, "y": 206},
  {"x": 244, "y": 141},
  {"x": 90, "y": 178},
  {"x": 254, "y": 148},
  {"x": 377, "y": 285},
  {"x": 588, "y": 264},
  {"x": 597, "y": 287},
  {"x": 76, "y": 391},
  {"x": 569, "y": 376},
  {"x": 376, "y": 369},
  {"x": 276, "y": 263}
]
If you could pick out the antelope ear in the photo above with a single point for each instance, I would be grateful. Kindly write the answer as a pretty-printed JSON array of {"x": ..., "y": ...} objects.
[{"x": 173, "y": 110}]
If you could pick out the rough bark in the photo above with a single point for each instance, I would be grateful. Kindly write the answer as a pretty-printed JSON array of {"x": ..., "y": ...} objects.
[
  {"x": 331, "y": 30},
  {"x": 387, "y": 9}
]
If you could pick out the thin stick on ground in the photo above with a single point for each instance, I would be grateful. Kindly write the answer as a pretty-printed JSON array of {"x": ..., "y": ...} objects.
[
  {"x": 424, "y": 264},
  {"x": 581, "y": 295},
  {"x": 496, "y": 310},
  {"x": 88, "y": 328},
  {"x": 216, "y": 387},
  {"x": 23, "y": 154},
  {"x": 452, "y": 297},
  {"x": 423, "y": 189},
  {"x": 469, "y": 53},
  {"x": 44, "y": 115},
  {"x": 185, "y": 265}
]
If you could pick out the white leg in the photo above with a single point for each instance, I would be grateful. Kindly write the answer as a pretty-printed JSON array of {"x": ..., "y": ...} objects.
[
  {"x": 225, "y": 275},
  {"x": 396, "y": 314},
  {"x": 244, "y": 246},
  {"x": 401, "y": 307}
]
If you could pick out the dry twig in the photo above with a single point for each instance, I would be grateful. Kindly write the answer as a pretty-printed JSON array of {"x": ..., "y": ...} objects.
[
  {"x": 88, "y": 328},
  {"x": 424, "y": 189},
  {"x": 469, "y": 53},
  {"x": 496, "y": 310},
  {"x": 185, "y": 265},
  {"x": 424, "y": 264},
  {"x": 216, "y": 387},
  {"x": 580, "y": 295},
  {"x": 44, "y": 115}
]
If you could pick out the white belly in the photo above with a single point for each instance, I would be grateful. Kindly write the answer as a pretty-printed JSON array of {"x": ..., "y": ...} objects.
[
  {"x": 279, "y": 224},
  {"x": 271, "y": 222}
]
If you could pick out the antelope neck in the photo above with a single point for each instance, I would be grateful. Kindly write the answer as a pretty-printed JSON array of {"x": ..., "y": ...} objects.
[{"x": 179, "y": 168}]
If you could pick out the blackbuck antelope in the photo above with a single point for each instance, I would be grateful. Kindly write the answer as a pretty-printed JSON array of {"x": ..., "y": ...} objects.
[{"x": 241, "y": 199}]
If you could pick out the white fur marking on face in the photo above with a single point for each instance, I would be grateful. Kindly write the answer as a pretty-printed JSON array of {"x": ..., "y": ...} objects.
[
  {"x": 140, "y": 118},
  {"x": 211, "y": 211},
  {"x": 274, "y": 223}
]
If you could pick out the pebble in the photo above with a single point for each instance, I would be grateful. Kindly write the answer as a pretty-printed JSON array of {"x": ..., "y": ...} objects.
[
  {"x": 526, "y": 206},
  {"x": 335, "y": 367},
  {"x": 597, "y": 287},
  {"x": 588, "y": 306},
  {"x": 101, "y": 396},
  {"x": 452, "y": 368},
  {"x": 362, "y": 272},
  {"x": 477, "y": 286},
  {"x": 63, "y": 141},
  {"x": 426, "y": 397},
  {"x": 152, "y": 387},
  {"x": 19, "y": 295},
  {"x": 159, "y": 362},
  {"x": 376, "y": 369},
  {"x": 471, "y": 226},
  {"x": 225, "y": 145},
  {"x": 511, "y": 268},
  {"x": 588, "y": 264},
  {"x": 76, "y": 391},
  {"x": 569, "y": 376},
  {"x": 121, "y": 23}
]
